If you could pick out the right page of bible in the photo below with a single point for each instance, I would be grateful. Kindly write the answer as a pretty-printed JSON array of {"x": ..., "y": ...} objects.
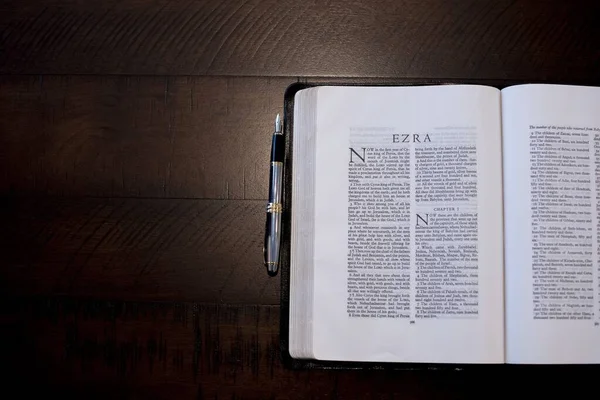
[{"x": 551, "y": 151}]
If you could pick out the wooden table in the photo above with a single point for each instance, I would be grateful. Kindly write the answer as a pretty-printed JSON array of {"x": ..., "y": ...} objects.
[{"x": 134, "y": 140}]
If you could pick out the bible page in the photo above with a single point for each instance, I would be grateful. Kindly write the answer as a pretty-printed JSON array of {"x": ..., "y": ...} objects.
[
  {"x": 408, "y": 225},
  {"x": 551, "y": 182}
]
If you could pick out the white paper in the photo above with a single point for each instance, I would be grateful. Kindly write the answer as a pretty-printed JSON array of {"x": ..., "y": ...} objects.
[
  {"x": 407, "y": 109},
  {"x": 529, "y": 340}
]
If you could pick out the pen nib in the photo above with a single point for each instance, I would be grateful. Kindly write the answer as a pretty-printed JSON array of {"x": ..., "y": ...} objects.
[{"x": 277, "y": 124}]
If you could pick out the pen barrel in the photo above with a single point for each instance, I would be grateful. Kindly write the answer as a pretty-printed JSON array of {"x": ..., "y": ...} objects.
[
  {"x": 272, "y": 242},
  {"x": 276, "y": 182}
]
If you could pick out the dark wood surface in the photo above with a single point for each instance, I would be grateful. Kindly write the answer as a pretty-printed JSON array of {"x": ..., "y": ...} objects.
[
  {"x": 483, "y": 39},
  {"x": 134, "y": 136}
]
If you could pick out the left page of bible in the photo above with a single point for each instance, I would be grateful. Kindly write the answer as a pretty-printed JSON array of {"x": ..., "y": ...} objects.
[{"x": 408, "y": 243}]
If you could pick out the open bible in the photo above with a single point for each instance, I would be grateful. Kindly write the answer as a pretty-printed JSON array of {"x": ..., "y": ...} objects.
[{"x": 446, "y": 224}]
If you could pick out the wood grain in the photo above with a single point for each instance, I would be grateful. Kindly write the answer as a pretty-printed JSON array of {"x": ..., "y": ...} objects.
[
  {"x": 137, "y": 136},
  {"x": 489, "y": 39},
  {"x": 195, "y": 250},
  {"x": 180, "y": 350}
]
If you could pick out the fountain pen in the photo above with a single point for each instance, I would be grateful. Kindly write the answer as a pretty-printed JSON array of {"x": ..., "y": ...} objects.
[{"x": 274, "y": 207}]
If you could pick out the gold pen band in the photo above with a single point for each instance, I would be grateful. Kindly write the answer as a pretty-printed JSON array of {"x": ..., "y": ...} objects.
[
  {"x": 277, "y": 163},
  {"x": 274, "y": 208}
]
